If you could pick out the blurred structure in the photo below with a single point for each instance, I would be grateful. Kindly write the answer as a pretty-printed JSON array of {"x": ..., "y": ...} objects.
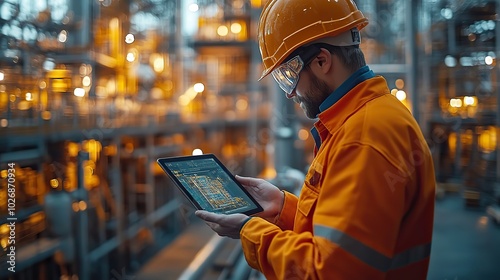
[
  {"x": 463, "y": 48},
  {"x": 93, "y": 91}
]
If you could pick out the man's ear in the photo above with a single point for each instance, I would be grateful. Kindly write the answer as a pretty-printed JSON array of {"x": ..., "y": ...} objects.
[{"x": 324, "y": 59}]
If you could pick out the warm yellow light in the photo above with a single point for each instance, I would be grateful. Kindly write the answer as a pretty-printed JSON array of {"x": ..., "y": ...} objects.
[
  {"x": 101, "y": 91},
  {"x": 184, "y": 100},
  {"x": 4, "y": 123},
  {"x": 487, "y": 139},
  {"x": 129, "y": 38},
  {"x": 452, "y": 143},
  {"x": 394, "y": 91},
  {"x": 4, "y": 229},
  {"x": 114, "y": 23},
  {"x": 43, "y": 84},
  {"x": 241, "y": 104},
  {"x": 110, "y": 150},
  {"x": 88, "y": 171},
  {"x": 482, "y": 222},
  {"x": 75, "y": 206},
  {"x": 236, "y": 28},
  {"x": 129, "y": 147},
  {"x": 94, "y": 181},
  {"x": 86, "y": 81},
  {"x": 401, "y": 95},
  {"x": 158, "y": 64},
  {"x": 84, "y": 69},
  {"x": 46, "y": 115},
  {"x": 190, "y": 94},
  {"x": 82, "y": 205},
  {"x": 79, "y": 92},
  {"x": 456, "y": 102},
  {"x": 199, "y": 87},
  {"x": 54, "y": 183},
  {"x": 111, "y": 87},
  {"x": 222, "y": 30},
  {"x": 197, "y": 152},
  {"x": 256, "y": 3},
  {"x": 29, "y": 96},
  {"x": 469, "y": 100},
  {"x": 23, "y": 105},
  {"x": 169, "y": 85},
  {"x": 73, "y": 149},
  {"x": 156, "y": 93},
  {"x": 94, "y": 148},
  {"x": 303, "y": 134},
  {"x": 2, "y": 76},
  {"x": 130, "y": 57},
  {"x": 269, "y": 172},
  {"x": 400, "y": 83},
  {"x": 488, "y": 60}
]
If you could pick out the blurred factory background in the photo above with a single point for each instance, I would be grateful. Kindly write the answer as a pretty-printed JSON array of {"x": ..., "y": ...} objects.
[{"x": 92, "y": 92}]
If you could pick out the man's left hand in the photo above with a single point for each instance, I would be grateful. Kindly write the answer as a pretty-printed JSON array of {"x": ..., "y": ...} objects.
[{"x": 223, "y": 225}]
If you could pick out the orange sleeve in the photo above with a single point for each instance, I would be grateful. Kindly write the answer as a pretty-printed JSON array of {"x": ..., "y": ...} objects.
[
  {"x": 355, "y": 216},
  {"x": 287, "y": 214}
]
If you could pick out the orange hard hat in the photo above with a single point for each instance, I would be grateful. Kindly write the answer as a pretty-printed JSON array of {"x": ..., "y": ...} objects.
[{"x": 285, "y": 25}]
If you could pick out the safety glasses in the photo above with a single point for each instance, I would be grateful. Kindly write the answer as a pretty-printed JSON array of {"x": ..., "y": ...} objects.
[{"x": 287, "y": 74}]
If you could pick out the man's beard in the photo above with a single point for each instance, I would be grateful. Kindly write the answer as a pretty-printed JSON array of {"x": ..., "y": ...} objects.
[{"x": 312, "y": 98}]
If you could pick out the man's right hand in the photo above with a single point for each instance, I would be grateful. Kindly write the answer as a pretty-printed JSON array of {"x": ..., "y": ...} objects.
[{"x": 268, "y": 195}]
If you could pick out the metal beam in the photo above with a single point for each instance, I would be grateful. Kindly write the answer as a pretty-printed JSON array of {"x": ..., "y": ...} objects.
[{"x": 114, "y": 242}]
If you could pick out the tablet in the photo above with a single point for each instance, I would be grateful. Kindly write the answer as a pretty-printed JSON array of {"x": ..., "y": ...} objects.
[{"x": 208, "y": 185}]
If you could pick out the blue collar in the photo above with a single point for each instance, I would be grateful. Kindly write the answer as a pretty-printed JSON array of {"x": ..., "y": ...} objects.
[{"x": 357, "y": 77}]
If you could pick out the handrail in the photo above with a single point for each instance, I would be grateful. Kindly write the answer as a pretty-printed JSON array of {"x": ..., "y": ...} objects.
[
  {"x": 160, "y": 213},
  {"x": 203, "y": 259}
]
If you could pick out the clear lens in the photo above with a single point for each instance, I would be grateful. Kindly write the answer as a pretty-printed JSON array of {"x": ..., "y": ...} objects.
[{"x": 287, "y": 74}]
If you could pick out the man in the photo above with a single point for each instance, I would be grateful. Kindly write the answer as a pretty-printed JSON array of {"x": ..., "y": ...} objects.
[{"x": 365, "y": 210}]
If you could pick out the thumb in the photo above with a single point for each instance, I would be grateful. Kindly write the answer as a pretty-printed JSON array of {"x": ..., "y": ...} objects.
[{"x": 248, "y": 181}]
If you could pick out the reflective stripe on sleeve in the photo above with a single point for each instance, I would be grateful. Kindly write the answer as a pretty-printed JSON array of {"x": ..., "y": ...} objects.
[{"x": 370, "y": 256}]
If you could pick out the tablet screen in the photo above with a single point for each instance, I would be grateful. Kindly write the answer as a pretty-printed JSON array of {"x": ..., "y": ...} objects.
[{"x": 209, "y": 185}]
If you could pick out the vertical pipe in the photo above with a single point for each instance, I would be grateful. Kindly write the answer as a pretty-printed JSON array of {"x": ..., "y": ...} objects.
[
  {"x": 458, "y": 155},
  {"x": 82, "y": 225},
  {"x": 117, "y": 188},
  {"x": 150, "y": 195},
  {"x": 179, "y": 46},
  {"x": 83, "y": 10},
  {"x": 497, "y": 69},
  {"x": 131, "y": 189},
  {"x": 411, "y": 57},
  {"x": 104, "y": 263},
  {"x": 254, "y": 91},
  {"x": 424, "y": 56}
]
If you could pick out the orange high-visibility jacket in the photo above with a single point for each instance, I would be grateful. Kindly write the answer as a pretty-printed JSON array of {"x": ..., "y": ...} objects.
[{"x": 366, "y": 208}]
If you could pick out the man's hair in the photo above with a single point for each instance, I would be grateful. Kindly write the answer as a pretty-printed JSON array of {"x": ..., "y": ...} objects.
[{"x": 352, "y": 57}]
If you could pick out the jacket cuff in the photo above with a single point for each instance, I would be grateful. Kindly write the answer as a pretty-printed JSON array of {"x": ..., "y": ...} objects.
[
  {"x": 244, "y": 222},
  {"x": 286, "y": 217}
]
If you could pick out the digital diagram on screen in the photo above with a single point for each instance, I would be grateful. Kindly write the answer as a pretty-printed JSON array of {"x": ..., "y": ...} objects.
[{"x": 210, "y": 186}]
